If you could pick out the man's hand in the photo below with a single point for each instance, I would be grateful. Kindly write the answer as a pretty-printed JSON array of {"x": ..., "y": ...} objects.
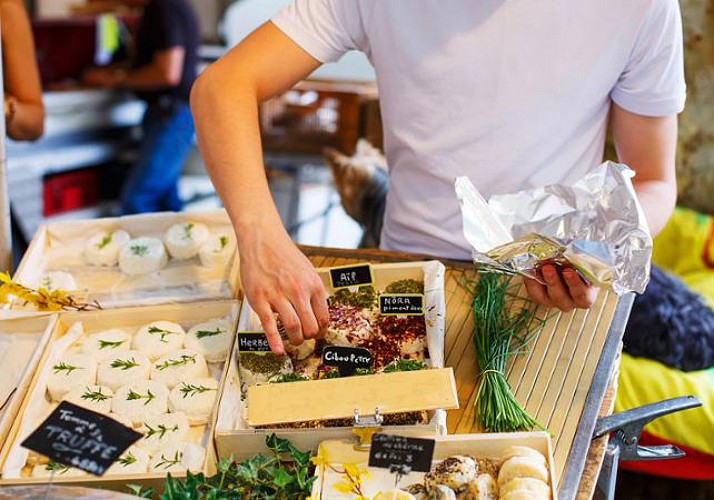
[
  {"x": 100, "y": 77},
  {"x": 566, "y": 291},
  {"x": 278, "y": 278}
]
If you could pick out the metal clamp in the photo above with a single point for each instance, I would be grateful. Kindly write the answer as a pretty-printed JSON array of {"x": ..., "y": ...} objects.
[{"x": 364, "y": 427}]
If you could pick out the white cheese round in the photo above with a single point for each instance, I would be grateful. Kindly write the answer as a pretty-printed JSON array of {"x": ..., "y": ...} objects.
[
  {"x": 123, "y": 367},
  {"x": 178, "y": 457},
  {"x": 161, "y": 430},
  {"x": 218, "y": 249},
  {"x": 184, "y": 240},
  {"x": 71, "y": 371},
  {"x": 521, "y": 466},
  {"x": 104, "y": 344},
  {"x": 141, "y": 400},
  {"x": 132, "y": 461},
  {"x": 212, "y": 339},
  {"x": 179, "y": 365},
  {"x": 195, "y": 398},
  {"x": 159, "y": 338},
  {"x": 302, "y": 351},
  {"x": 92, "y": 397},
  {"x": 142, "y": 256},
  {"x": 102, "y": 249},
  {"x": 58, "y": 280}
]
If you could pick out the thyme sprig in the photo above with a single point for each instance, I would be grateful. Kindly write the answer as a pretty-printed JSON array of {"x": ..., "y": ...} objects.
[
  {"x": 124, "y": 364},
  {"x": 108, "y": 344},
  {"x": 96, "y": 396},
  {"x": 167, "y": 463},
  {"x": 163, "y": 333},
  {"x": 127, "y": 459},
  {"x": 209, "y": 333},
  {"x": 159, "y": 430},
  {"x": 105, "y": 241},
  {"x": 64, "y": 367},
  {"x": 134, "y": 396},
  {"x": 183, "y": 360},
  {"x": 192, "y": 390}
]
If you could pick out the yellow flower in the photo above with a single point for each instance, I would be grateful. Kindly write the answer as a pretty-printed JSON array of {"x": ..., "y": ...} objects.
[{"x": 321, "y": 460}]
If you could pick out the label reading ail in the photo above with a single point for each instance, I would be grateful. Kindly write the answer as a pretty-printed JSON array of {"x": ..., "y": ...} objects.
[
  {"x": 400, "y": 454},
  {"x": 346, "y": 359},
  {"x": 81, "y": 438},
  {"x": 408, "y": 304},
  {"x": 253, "y": 342},
  {"x": 345, "y": 277}
]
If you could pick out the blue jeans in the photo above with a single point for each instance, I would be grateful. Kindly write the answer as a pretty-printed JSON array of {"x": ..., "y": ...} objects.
[{"x": 152, "y": 185}]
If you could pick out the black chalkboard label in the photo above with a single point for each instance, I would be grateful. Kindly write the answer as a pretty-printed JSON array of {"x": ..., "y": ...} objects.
[
  {"x": 348, "y": 276},
  {"x": 397, "y": 304},
  {"x": 81, "y": 438},
  {"x": 253, "y": 342},
  {"x": 346, "y": 359},
  {"x": 401, "y": 454}
]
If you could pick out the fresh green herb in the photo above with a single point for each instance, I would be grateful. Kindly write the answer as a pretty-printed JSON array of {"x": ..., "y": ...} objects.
[
  {"x": 127, "y": 459},
  {"x": 209, "y": 333},
  {"x": 405, "y": 365},
  {"x": 163, "y": 333},
  {"x": 330, "y": 372},
  {"x": 56, "y": 467},
  {"x": 267, "y": 363},
  {"x": 192, "y": 390},
  {"x": 187, "y": 231},
  {"x": 167, "y": 463},
  {"x": 139, "y": 491},
  {"x": 139, "y": 250},
  {"x": 183, "y": 360},
  {"x": 134, "y": 396},
  {"x": 96, "y": 396},
  {"x": 365, "y": 296},
  {"x": 124, "y": 364},
  {"x": 289, "y": 377},
  {"x": 405, "y": 286},
  {"x": 104, "y": 344},
  {"x": 64, "y": 367},
  {"x": 224, "y": 241},
  {"x": 363, "y": 371},
  {"x": 105, "y": 241},
  {"x": 159, "y": 430},
  {"x": 504, "y": 325},
  {"x": 284, "y": 474}
]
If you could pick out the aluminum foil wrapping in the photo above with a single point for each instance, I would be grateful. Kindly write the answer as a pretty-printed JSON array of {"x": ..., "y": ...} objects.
[{"x": 596, "y": 226}]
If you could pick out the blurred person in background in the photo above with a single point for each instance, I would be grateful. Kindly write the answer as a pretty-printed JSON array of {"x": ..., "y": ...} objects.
[
  {"x": 24, "y": 112},
  {"x": 162, "y": 72}
]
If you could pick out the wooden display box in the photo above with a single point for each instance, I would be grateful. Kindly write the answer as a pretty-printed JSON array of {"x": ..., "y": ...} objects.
[
  {"x": 36, "y": 406},
  {"x": 60, "y": 247},
  {"x": 477, "y": 445},
  {"x": 22, "y": 343},
  {"x": 431, "y": 390}
]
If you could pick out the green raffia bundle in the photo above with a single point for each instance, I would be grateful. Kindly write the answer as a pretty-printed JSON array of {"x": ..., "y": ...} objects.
[{"x": 504, "y": 324}]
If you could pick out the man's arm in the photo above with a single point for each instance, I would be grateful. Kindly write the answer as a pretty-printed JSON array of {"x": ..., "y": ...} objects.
[
  {"x": 24, "y": 111},
  {"x": 165, "y": 71},
  {"x": 648, "y": 145},
  {"x": 276, "y": 276}
]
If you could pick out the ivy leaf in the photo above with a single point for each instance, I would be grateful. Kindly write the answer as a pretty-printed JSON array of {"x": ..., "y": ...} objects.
[
  {"x": 276, "y": 444},
  {"x": 282, "y": 478}
]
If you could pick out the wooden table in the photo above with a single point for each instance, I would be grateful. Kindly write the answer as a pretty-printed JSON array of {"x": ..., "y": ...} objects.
[{"x": 562, "y": 382}]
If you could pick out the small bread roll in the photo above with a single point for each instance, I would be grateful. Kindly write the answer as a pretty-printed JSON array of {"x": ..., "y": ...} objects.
[
  {"x": 72, "y": 371},
  {"x": 178, "y": 457},
  {"x": 212, "y": 339},
  {"x": 522, "y": 467},
  {"x": 142, "y": 256},
  {"x": 162, "y": 430},
  {"x": 195, "y": 398},
  {"x": 123, "y": 367},
  {"x": 159, "y": 339},
  {"x": 180, "y": 365},
  {"x": 102, "y": 249},
  {"x": 132, "y": 461},
  {"x": 184, "y": 240},
  {"x": 523, "y": 495},
  {"x": 523, "y": 451},
  {"x": 528, "y": 484},
  {"x": 141, "y": 400},
  {"x": 218, "y": 249},
  {"x": 92, "y": 397},
  {"x": 453, "y": 472},
  {"x": 58, "y": 280},
  {"x": 104, "y": 344}
]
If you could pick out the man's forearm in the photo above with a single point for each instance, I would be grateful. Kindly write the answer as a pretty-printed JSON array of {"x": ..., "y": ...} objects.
[
  {"x": 658, "y": 199},
  {"x": 149, "y": 77}
]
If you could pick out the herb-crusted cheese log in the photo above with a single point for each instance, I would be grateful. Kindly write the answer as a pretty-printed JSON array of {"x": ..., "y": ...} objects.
[
  {"x": 132, "y": 461},
  {"x": 102, "y": 249},
  {"x": 96, "y": 398},
  {"x": 212, "y": 339},
  {"x": 161, "y": 430},
  {"x": 184, "y": 240},
  {"x": 178, "y": 457},
  {"x": 195, "y": 398},
  {"x": 142, "y": 256},
  {"x": 258, "y": 368},
  {"x": 180, "y": 365},
  {"x": 159, "y": 338},
  {"x": 102, "y": 345},
  {"x": 73, "y": 370},
  {"x": 141, "y": 400},
  {"x": 218, "y": 249},
  {"x": 453, "y": 472},
  {"x": 123, "y": 367},
  {"x": 58, "y": 280}
]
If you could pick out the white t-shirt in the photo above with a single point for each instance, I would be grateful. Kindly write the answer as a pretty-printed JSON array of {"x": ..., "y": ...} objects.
[{"x": 512, "y": 93}]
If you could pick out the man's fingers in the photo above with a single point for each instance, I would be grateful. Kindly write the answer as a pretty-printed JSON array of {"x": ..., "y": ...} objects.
[
  {"x": 267, "y": 320},
  {"x": 538, "y": 292},
  {"x": 558, "y": 293},
  {"x": 290, "y": 320},
  {"x": 319, "y": 307},
  {"x": 583, "y": 295}
]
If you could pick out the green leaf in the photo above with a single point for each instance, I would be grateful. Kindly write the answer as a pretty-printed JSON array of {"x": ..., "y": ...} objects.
[
  {"x": 276, "y": 444},
  {"x": 282, "y": 478}
]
